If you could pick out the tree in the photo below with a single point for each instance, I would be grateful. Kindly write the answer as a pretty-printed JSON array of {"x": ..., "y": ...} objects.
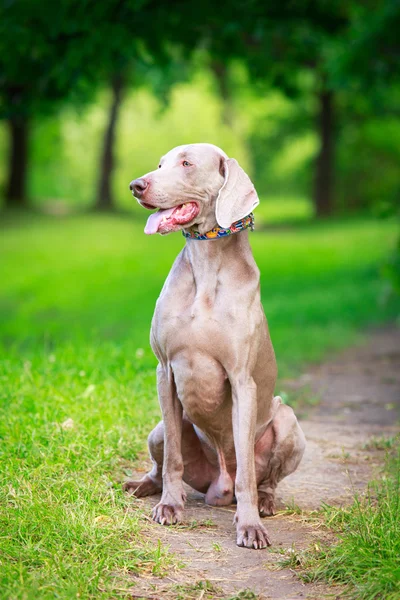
[
  {"x": 61, "y": 54},
  {"x": 15, "y": 192},
  {"x": 334, "y": 43},
  {"x": 278, "y": 42},
  {"x": 46, "y": 58},
  {"x": 221, "y": 74},
  {"x": 104, "y": 198},
  {"x": 54, "y": 53},
  {"x": 373, "y": 69},
  {"x": 347, "y": 49},
  {"x": 286, "y": 41}
]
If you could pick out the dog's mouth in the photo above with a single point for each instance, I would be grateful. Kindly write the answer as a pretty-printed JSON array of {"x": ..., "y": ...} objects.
[{"x": 171, "y": 219}]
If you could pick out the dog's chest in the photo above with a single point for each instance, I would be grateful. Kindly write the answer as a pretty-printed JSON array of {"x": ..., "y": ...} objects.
[
  {"x": 195, "y": 326},
  {"x": 204, "y": 314}
]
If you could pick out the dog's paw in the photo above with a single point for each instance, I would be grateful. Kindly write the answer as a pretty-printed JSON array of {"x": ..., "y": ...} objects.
[
  {"x": 145, "y": 487},
  {"x": 253, "y": 536},
  {"x": 266, "y": 504},
  {"x": 167, "y": 514}
]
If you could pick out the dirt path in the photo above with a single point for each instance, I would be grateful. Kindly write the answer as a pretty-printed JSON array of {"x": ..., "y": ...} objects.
[{"x": 359, "y": 396}]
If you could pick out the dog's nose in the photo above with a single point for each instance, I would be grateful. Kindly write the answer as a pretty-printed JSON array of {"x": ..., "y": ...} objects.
[{"x": 138, "y": 186}]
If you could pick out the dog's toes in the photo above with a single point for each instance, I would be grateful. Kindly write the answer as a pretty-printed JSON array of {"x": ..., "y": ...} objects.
[
  {"x": 145, "y": 487},
  {"x": 266, "y": 504},
  {"x": 167, "y": 514},
  {"x": 253, "y": 536}
]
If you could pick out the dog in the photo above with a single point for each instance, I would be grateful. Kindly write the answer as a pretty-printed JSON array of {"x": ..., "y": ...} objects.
[{"x": 222, "y": 431}]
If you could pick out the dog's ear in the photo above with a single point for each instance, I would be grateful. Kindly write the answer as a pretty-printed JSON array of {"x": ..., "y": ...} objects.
[{"x": 237, "y": 197}]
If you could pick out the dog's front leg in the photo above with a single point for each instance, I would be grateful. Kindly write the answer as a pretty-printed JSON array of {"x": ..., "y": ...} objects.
[
  {"x": 169, "y": 510},
  {"x": 250, "y": 531}
]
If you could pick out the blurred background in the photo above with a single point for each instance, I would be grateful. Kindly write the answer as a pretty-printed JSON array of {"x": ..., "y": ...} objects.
[{"x": 305, "y": 94}]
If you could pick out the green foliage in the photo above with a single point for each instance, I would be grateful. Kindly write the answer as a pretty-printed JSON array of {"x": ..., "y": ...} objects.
[
  {"x": 367, "y": 57},
  {"x": 274, "y": 41},
  {"x": 268, "y": 136},
  {"x": 368, "y": 153},
  {"x": 66, "y": 149},
  {"x": 59, "y": 56},
  {"x": 47, "y": 63},
  {"x": 391, "y": 270},
  {"x": 62, "y": 51},
  {"x": 298, "y": 49}
]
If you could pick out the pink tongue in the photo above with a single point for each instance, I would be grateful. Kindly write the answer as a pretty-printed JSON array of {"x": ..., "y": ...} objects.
[{"x": 154, "y": 220}]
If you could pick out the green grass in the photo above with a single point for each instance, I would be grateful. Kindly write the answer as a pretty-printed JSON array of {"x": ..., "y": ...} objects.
[
  {"x": 365, "y": 558},
  {"x": 77, "y": 378},
  {"x": 66, "y": 528}
]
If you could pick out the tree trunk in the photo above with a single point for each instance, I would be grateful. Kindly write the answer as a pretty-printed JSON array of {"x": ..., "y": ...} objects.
[
  {"x": 222, "y": 77},
  {"x": 324, "y": 165},
  {"x": 16, "y": 186},
  {"x": 104, "y": 198}
]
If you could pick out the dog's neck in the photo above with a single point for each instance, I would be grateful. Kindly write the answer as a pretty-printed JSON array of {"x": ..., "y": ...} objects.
[
  {"x": 227, "y": 259},
  {"x": 218, "y": 232}
]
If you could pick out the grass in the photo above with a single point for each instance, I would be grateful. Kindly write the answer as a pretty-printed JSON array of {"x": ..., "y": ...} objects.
[
  {"x": 381, "y": 443},
  {"x": 77, "y": 377},
  {"x": 206, "y": 590},
  {"x": 365, "y": 557},
  {"x": 203, "y": 589},
  {"x": 67, "y": 529}
]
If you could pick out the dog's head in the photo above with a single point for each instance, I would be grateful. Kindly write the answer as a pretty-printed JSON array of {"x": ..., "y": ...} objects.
[{"x": 195, "y": 185}]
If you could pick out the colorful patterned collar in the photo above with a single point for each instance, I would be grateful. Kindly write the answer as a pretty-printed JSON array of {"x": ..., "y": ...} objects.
[{"x": 219, "y": 232}]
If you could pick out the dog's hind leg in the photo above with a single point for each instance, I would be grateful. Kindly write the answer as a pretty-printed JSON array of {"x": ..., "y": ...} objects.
[
  {"x": 152, "y": 481},
  {"x": 198, "y": 472},
  {"x": 278, "y": 453}
]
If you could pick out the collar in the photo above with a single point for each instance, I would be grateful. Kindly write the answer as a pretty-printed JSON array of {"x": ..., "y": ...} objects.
[{"x": 219, "y": 232}]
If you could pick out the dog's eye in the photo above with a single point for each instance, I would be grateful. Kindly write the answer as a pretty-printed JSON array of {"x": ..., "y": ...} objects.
[
  {"x": 159, "y": 166},
  {"x": 186, "y": 163}
]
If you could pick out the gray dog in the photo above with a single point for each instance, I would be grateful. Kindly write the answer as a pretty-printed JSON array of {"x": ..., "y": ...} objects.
[{"x": 223, "y": 432}]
